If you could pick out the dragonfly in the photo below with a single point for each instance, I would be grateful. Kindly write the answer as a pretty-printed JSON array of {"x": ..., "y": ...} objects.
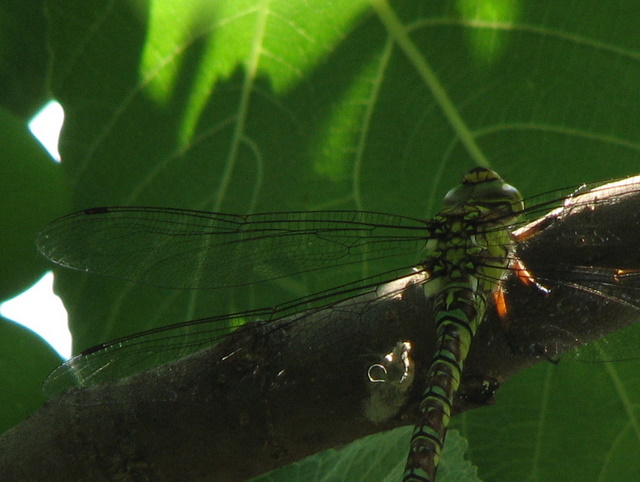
[{"x": 463, "y": 259}]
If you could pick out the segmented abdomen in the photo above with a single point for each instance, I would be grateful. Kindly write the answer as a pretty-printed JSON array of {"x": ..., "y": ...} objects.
[{"x": 459, "y": 308}]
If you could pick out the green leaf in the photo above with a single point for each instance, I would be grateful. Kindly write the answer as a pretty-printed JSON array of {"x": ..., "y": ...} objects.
[
  {"x": 23, "y": 57},
  {"x": 377, "y": 457},
  {"x": 572, "y": 420},
  {"x": 33, "y": 191},
  {"x": 25, "y": 359},
  {"x": 254, "y": 105}
]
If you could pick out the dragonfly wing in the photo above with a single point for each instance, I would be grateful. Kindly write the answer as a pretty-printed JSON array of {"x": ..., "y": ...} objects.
[
  {"x": 130, "y": 355},
  {"x": 585, "y": 253},
  {"x": 142, "y": 351},
  {"x": 595, "y": 311},
  {"x": 178, "y": 248}
]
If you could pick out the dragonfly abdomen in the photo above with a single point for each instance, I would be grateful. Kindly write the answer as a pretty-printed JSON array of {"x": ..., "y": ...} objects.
[
  {"x": 467, "y": 266},
  {"x": 459, "y": 310}
]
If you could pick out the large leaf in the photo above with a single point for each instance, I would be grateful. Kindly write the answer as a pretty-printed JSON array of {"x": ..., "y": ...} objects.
[
  {"x": 23, "y": 56},
  {"x": 247, "y": 106},
  {"x": 25, "y": 359}
]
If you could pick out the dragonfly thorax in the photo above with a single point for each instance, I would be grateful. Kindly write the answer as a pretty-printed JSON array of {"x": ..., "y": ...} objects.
[{"x": 485, "y": 196}]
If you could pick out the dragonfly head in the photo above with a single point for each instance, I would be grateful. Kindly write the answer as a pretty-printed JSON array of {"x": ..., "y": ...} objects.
[{"x": 485, "y": 189}]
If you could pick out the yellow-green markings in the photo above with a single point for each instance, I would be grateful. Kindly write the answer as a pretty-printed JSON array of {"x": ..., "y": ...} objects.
[{"x": 468, "y": 262}]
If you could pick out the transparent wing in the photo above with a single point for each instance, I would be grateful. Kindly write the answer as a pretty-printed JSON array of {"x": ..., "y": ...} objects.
[
  {"x": 177, "y": 248},
  {"x": 585, "y": 252},
  {"x": 132, "y": 354},
  {"x": 594, "y": 309}
]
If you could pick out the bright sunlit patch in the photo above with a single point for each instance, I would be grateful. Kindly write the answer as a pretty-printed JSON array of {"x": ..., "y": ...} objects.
[
  {"x": 46, "y": 126},
  {"x": 485, "y": 30},
  {"x": 40, "y": 310}
]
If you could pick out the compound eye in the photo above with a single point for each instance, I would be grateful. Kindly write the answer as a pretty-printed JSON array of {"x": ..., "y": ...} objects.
[{"x": 511, "y": 194}]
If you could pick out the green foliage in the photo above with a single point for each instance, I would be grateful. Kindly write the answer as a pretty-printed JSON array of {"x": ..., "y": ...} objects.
[
  {"x": 249, "y": 105},
  {"x": 379, "y": 457},
  {"x": 25, "y": 359}
]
